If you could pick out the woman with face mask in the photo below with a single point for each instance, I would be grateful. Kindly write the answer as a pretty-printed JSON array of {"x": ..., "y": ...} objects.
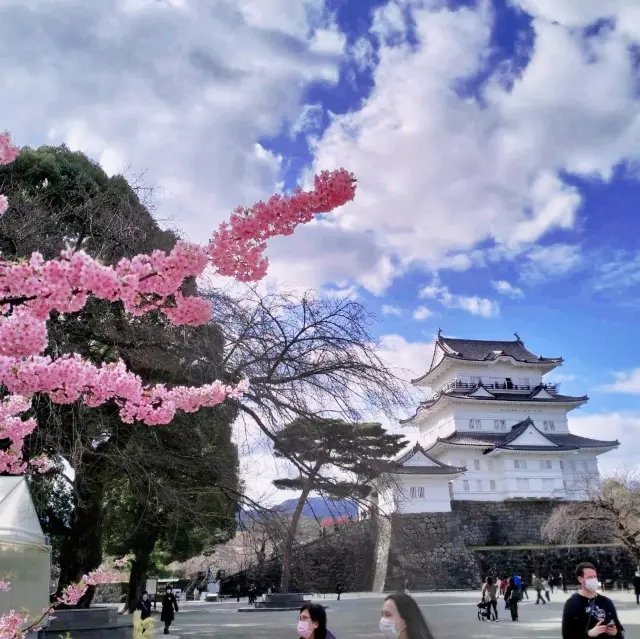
[
  {"x": 312, "y": 623},
  {"x": 169, "y": 608},
  {"x": 402, "y": 619}
]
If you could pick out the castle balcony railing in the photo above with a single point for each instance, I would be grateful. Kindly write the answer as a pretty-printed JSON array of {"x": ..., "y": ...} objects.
[{"x": 457, "y": 384}]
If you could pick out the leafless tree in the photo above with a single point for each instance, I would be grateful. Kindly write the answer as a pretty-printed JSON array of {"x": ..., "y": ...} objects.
[{"x": 609, "y": 512}]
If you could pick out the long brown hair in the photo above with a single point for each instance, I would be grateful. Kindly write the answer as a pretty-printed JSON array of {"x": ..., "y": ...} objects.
[{"x": 416, "y": 626}]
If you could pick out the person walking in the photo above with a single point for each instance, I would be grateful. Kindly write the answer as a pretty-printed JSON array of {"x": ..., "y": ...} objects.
[
  {"x": 563, "y": 582},
  {"x": 144, "y": 606},
  {"x": 312, "y": 623},
  {"x": 587, "y": 613},
  {"x": 490, "y": 595},
  {"x": 339, "y": 590},
  {"x": 401, "y": 618},
  {"x": 504, "y": 582},
  {"x": 636, "y": 586},
  {"x": 536, "y": 582},
  {"x": 545, "y": 588},
  {"x": 512, "y": 598},
  {"x": 237, "y": 594},
  {"x": 169, "y": 607}
]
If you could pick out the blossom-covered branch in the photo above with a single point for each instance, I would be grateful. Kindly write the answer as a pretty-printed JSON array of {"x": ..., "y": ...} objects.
[
  {"x": 15, "y": 625},
  {"x": 31, "y": 289}
]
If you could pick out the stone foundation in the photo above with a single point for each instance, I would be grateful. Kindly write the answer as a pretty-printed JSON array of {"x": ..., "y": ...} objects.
[
  {"x": 435, "y": 551},
  {"x": 429, "y": 551},
  {"x": 91, "y": 623}
]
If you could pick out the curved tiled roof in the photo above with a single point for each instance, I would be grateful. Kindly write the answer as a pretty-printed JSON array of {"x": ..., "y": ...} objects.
[
  {"x": 493, "y": 440},
  {"x": 396, "y": 467},
  {"x": 485, "y": 350},
  {"x": 497, "y": 397}
]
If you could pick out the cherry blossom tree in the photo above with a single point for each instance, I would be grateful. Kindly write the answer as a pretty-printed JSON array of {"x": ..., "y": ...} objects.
[{"x": 34, "y": 288}]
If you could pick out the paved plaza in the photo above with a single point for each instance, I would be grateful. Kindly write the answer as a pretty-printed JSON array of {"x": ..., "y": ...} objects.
[{"x": 450, "y": 615}]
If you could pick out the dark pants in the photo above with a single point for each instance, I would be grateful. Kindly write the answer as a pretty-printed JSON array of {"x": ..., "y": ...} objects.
[
  {"x": 547, "y": 595},
  {"x": 524, "y": 591},
  {"x": 638, "y": 597},
  {"x": 494, "y": 605},
  {"x": 540, "y": 598},
  {"x": 513, "y": 608},
  {"x": 166, "y": 627}
]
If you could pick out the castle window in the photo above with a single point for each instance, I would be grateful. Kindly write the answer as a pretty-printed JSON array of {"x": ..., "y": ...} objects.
[
  {"x": 492, "y": 485},
  {"x": 417, "y": 492},
  {"x": 522, "y": 484},
  {"x": 490, "y": 464},
  {"x": 465, "y": 484},
  {"x": 476, "y": 464},
  {"x": 548, "y": 464},
  {"x": 561, "y": 464},
  {"x": 519, "y": 463},
  {"x": 479, "y": 485},
  {"x": 499, "y": 424},
  {"x": 549, "y": 426},
  {"x": 516, "y": 463},
  {"x": 474, "y": 424},
  {"x": 475, "y": 380},
  {"x": 463, "y": 463}
]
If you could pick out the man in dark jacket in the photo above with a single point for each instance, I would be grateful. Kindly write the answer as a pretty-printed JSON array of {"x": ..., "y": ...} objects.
[{"x": 587, "y": 613}]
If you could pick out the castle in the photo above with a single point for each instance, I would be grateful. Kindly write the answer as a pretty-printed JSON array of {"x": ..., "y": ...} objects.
[{"x": 493, "y": 430}]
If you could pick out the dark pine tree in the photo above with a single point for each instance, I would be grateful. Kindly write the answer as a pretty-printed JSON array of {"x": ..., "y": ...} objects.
[{"x": 359, "y": 450}]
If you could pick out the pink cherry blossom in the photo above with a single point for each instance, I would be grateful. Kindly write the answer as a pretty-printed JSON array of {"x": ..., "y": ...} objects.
[
  {"x": 31, "y": 289},
  {"x": 5, "y": 585},
  {"x": 4, "y": 204},
  {"x": 12, "y": 623}
]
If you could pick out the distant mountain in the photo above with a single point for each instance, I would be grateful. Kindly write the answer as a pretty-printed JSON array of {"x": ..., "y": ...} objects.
[
  {"x": 316, "y": 507},
  {"x": 320, "y": 507}
]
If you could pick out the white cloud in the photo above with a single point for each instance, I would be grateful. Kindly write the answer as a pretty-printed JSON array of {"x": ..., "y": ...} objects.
[
  {"x": 625, "y": 382},
  {"x": 422, "y": 313},
  {"x": 473, "y": 304},
  {"x": 363, "y": 53},
  {"x": 407, "y": 359},
  {"x": 447, "y": 180},
  {"x": 389, "y": 309},
  {"x": 310, "y": 119},
  {"x": 619, "y": 273},
  {"x": 625, "y": 427},
  {"x": 190, "y": 115},
  {"x": 505, "y": 288},
  {"x": 546, "y": 262}
]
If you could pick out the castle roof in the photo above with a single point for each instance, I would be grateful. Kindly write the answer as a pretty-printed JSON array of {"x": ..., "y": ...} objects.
[
  {"x": 482, "y": 350},
  {"x": 477, "y": 350},
  {"x": 524, "y": 436},
  {"x": 426, "y": 464},
  {"x": 486, "y": 393}
]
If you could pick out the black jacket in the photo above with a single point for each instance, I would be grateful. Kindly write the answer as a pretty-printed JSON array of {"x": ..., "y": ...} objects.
[
  {"x": 169, "y": 603},
  {"x": 581, "y": 614},
  {"x": 145, "y": 608},
  {"x": 636, "y": 585}
]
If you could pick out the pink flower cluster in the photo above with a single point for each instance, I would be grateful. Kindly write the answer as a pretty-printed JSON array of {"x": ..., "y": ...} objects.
[
  {"x": 237, "y": 247},
  {"x": 5, "y": 585},
  {"x": 31, "y": 289},
  {"x": 12, "y": 624},
  {"x": 8, "y": 153}
]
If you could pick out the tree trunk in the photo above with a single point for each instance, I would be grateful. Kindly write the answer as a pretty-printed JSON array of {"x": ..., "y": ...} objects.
[
  {"x": 82, "y": 549},
  {"x": 140, "y": 566},
  {"x": 291, "y": 532}
]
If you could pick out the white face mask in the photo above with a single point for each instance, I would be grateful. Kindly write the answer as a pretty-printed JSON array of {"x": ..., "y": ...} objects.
[
  {"x": 592, "y": 584},
  {"x": 387, "y": 627}
]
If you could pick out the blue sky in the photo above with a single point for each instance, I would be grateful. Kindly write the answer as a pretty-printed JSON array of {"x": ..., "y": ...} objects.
[{"x": 496, "y": 144}]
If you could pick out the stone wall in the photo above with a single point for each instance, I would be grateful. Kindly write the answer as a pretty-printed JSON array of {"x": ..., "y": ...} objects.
[
  {"x": 612, "y": 562},
  {"x": 508, "y": 523},
  {"x": 429, "y": 551},
  {"x": 343, "y": 557}
]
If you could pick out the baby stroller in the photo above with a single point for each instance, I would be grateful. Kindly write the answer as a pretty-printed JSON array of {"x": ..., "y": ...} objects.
[{"x": 485, "y": 611}]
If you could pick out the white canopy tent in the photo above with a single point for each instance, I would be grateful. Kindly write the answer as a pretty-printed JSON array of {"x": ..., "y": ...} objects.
[{"x": 25, "y": 557}]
